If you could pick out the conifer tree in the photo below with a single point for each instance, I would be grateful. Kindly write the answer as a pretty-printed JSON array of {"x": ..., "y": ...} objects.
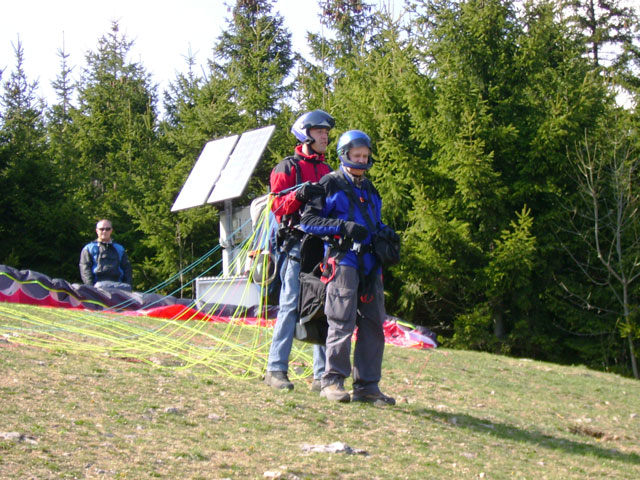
[
  {"x": 347, "y": 23},
  {"x": 243, "y": 89},
  {"x": 607, "y": 26},
  {"x": 34, "y": 211},
  {"x": 60, "y": 126},
  {"x": 610, "y": 31},
  {"x": 198, "y": 110},
  {"x": 254, "y": 54},
  {"x": 511, "y": 92},
  {"x": 116, "y": 140}
]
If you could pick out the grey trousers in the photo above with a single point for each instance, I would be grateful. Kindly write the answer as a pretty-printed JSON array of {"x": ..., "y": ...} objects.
[{"x": 345, "y": 310}]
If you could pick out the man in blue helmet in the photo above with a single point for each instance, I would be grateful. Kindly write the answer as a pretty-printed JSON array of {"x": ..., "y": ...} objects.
[
  {"x": 306, "y": 167},
  {"x": 348, "y": 215}
]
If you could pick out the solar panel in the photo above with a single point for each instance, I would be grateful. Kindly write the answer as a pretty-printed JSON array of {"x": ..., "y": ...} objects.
[
  {"x": 238, "y": 169},
  {"x": 205, "y": 173}
]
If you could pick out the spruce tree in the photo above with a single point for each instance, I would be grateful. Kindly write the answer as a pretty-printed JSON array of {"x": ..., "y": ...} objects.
[
  {"x": 115, "y": 136},
  {"x": 254, "y": 54},
  {"x": 511, "y": 92},
  {"x": 607, "y": 26},
  {"x": 35, "y": 214}
]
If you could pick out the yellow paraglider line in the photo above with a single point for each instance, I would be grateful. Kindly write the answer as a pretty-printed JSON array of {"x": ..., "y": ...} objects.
[{"x": 236, "y": 349}]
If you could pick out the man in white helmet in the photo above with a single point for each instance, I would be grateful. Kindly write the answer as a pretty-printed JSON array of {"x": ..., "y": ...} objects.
[{"x": 306, "y": 167}]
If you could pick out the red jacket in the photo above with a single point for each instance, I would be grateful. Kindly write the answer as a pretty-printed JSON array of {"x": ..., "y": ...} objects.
[{"x": 286, "y": 175}]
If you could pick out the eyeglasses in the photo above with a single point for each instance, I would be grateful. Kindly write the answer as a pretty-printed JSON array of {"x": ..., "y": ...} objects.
[{"x": 103, "y": 229}]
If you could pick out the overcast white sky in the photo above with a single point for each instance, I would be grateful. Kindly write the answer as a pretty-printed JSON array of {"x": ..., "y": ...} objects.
[{"x": 163, "y": 32}]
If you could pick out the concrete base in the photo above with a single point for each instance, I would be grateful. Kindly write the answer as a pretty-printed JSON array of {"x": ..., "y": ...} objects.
[{"x": 237, "y": 290}]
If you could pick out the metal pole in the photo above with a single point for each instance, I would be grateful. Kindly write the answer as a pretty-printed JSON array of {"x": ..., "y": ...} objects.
[{"x": 227, "y": 240}]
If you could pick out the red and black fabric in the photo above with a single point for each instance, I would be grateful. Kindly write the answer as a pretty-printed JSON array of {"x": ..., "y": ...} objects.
[{"x": 34, "y": 288}]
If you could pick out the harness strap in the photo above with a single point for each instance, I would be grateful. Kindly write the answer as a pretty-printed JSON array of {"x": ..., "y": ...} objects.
[
  {"x": 357, "y": 201},
  {"x": 293, "y": 219},
  {"x": 365, "y": 280},
  {"x": 94, "y": 250}
]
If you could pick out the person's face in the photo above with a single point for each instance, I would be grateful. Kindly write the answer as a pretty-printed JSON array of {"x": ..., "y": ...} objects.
[
  {"x": 321, "y": 137},
  {"x": 104, "y": 229},
  {"x": 358, "y": 155}
]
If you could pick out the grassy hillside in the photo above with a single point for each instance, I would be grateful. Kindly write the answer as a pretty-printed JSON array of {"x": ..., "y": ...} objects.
[{"x": 459, "y": 415}]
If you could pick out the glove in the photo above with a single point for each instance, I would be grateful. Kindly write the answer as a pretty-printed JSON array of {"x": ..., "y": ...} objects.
[
  {"x": 309, "y": 190},
  {"x": 355, "y": 231}
]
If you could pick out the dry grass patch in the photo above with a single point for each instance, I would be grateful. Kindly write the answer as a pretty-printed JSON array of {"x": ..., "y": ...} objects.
[{"x": 459, "y": 415}]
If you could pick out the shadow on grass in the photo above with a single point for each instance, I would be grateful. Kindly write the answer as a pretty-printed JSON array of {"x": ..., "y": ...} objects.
[{"x": 509, "y": 432}]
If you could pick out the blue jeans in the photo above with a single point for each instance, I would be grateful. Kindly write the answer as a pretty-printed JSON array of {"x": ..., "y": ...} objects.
[{"x": 284, "y": 328}]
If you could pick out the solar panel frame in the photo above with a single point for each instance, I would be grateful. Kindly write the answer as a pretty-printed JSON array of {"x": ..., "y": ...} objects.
[
  {"x": 205, "y": 174},
  {"x": 237, "y": 171}
]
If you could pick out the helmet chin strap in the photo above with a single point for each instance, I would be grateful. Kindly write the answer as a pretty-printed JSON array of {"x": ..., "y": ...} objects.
[
  {"x": 356, "y": 172},
  {"x": 308, "y": 143},
  {"x": 356, "y": 166}
]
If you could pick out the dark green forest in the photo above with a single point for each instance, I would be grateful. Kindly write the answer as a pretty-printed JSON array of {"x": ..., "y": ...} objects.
[{"x": 505, "y": 158}]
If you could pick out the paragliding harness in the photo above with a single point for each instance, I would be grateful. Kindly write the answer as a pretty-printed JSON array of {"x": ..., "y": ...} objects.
[
  {"x": 316, "y": 270},
  {"x": 94, "y": 251},
  {"x": 312, "y": 326}
]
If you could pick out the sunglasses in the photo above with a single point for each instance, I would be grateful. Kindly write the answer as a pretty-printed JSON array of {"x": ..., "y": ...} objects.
[{"x": 103, "y": 229}]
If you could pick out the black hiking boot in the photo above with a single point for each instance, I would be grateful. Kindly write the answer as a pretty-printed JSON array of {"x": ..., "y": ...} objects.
[
  {"x": 335, "y": 392},
  {"x": 278, "y": 380},
  {"x": 379, "y": 399},
  {"x": 316, "y": 385}
]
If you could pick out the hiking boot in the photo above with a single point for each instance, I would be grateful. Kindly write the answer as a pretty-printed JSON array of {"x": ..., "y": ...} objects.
[
  {"x": 379, "y": 399},
  {"x": 278, "y": 380},
  {"x": 335, "y": 392},
  {"x": 316, "y": 385}
]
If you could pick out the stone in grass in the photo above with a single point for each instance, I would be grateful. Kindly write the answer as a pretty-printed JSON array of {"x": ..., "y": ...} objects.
[
  {"x": 280, "y": 474},
  {"x": 17, "y": 437},
  {"x": 335, "y": 447}
]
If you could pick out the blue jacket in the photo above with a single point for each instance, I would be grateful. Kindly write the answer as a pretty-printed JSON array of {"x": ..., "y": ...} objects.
[
  {"x": 104, "y": 261},
  {"x": 325, "y": 216}
]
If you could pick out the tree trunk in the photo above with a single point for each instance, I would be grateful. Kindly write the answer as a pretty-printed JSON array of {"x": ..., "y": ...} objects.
[
  {"x": 632, "y": 353},
  {"x": 634, "y": 363},
  {"x": 498, "y": 325}
]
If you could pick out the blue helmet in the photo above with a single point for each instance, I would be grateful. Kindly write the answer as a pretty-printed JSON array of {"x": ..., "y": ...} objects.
[
  {"x": 352, "y": 139},
  {"x": 313, "y": 119}
]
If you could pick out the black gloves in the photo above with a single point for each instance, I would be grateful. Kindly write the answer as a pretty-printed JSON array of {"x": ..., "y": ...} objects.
[
  {"x": 355, "y": 231},
  {"x": 386, "y": 246},
  {"x": 307, "y": 191}
]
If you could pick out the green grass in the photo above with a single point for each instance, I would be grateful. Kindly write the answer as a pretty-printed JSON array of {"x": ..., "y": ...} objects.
[{"x": 459, "y": 415}]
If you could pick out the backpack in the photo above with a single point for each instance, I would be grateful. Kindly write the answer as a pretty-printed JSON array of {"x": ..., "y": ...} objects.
[
  {"x": 312, "y": 325},
  {"x": 265, "y": 227}
]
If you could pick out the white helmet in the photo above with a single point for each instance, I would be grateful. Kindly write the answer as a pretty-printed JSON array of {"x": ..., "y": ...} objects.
[{"x": 313, "y": 119}]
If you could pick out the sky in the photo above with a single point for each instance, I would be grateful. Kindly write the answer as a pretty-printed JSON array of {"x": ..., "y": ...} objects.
[{"x": 163, "y": 31}]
